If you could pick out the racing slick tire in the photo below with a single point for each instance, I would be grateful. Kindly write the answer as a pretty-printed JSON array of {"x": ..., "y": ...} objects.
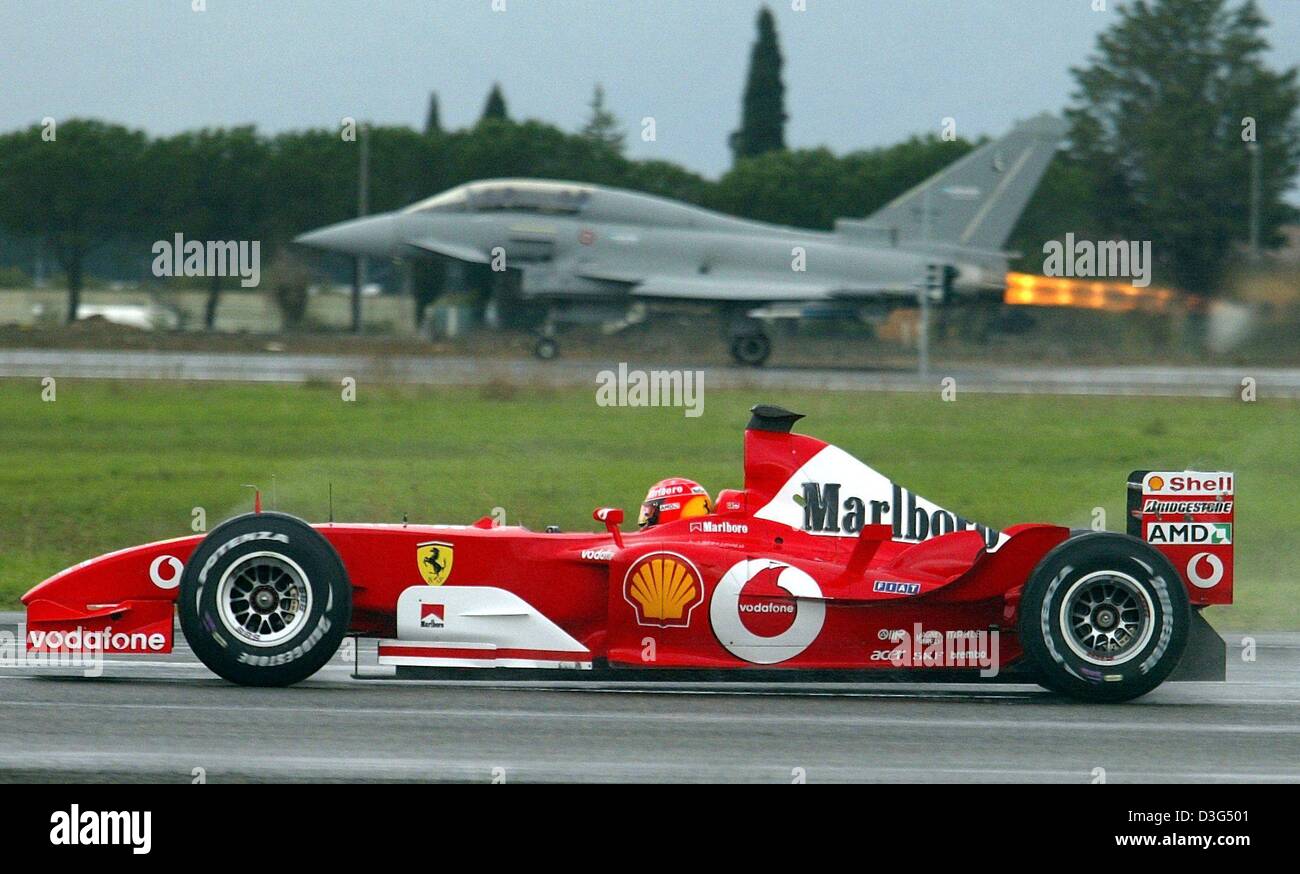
[
  {"x": 1104, "y": 617},
  {"x": 264, "y": 600}
]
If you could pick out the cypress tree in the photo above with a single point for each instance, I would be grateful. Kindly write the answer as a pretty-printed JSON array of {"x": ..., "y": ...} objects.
[
  {"x": 495, "y": 108},
  {"x": 762, "y": 119},
  {"x": 432, "y": 121}
]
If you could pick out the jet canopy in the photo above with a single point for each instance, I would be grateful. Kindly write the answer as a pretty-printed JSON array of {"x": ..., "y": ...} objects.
[
  {"x": 514, "y": 195},
  {"x": 594, "y": 203}
]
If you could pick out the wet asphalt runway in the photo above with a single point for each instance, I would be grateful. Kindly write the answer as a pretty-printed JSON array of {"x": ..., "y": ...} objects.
[
  {"x": 160, "y": 718},
  {"x": 1269, "y": 383}
]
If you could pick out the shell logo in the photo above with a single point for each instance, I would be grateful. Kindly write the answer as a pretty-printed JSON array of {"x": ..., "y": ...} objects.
[
  {"x": 664, "y": 588},
  {"x": 1156, "y": 483}
]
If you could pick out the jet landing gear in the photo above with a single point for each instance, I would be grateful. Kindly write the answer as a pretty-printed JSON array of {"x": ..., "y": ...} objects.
[
  {"x": 546, "y": 348},
  {"x": 749, "y": 344},
  {"x": 751, "y": 350},
  {"x": 610, "y": 318}
]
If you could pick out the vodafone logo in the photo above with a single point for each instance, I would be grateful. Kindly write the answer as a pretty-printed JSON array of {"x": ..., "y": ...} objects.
[
  {"x": 165, "y": 571},
  {"x": 763, "y": 615},
  {"x": 1204, "y": 570},
  {"x": 765, "y": 611}
]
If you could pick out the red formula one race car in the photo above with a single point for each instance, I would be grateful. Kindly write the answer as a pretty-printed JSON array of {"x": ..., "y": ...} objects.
[{"x": 819, "y": 568}]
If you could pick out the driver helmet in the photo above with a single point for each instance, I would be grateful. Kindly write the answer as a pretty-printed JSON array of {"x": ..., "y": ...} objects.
[{"x": 671, "y": 499}]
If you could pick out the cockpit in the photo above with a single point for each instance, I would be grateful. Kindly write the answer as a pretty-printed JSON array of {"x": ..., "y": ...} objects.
[{"x": 544, "y": 198}]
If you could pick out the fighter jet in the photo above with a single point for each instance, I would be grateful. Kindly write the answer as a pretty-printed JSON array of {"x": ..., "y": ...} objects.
[{"x": 591, "y": 252}]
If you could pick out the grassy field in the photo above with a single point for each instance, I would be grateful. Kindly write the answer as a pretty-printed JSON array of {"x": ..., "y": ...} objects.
[{"x": 112, "y": 464}]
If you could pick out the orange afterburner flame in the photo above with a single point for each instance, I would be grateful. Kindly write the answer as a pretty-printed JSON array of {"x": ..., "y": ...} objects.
[{"x": 1027, "y": 289}]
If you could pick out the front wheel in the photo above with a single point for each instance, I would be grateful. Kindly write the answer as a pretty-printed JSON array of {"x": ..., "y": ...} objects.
[
  {"x": 1104, "y": 618},
  {"x": 546, "y": 348},
  {"x": 264, "y": 600}
]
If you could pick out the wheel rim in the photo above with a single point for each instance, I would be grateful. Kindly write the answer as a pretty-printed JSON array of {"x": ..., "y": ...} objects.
[
  {"x": 750, "y": 348},
  {"x": 1107, "y": 617},
  {"x": 264, "y": 598}
]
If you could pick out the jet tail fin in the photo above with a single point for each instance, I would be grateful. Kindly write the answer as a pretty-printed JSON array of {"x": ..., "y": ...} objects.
[{"x": 976, "y": 201}]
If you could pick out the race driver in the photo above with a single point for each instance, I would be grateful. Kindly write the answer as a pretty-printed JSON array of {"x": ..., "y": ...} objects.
[{"x": 671, "y": 499}]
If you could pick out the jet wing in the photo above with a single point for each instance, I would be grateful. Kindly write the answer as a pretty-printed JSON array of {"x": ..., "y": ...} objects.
[
  {"x": 599, "y": 273},
  {"x": 868, "y": 292},
  {"x": 712, "y": 288},
  {"x": 709, "y": 288},
  {"x": 455, "y": 251},
  {"x": 741, "y": 288}
]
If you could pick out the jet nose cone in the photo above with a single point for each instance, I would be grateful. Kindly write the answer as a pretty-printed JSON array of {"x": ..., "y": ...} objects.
[{"x": 374, "y": 235}]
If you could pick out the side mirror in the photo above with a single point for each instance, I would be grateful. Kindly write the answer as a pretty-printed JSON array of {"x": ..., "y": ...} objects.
[{"x": 612, "y": 517}]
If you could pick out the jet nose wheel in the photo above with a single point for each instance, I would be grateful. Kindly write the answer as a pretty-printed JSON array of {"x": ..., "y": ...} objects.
[
  {"x": 751, "y": 349},
  {"x": 546, "y": 348}
]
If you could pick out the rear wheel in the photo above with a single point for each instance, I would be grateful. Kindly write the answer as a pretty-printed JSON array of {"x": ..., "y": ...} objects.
[
  {"x": 751, "y": 349},
  {"x": 264, "y": 600},
  {"x": 1104, "y": 618}
]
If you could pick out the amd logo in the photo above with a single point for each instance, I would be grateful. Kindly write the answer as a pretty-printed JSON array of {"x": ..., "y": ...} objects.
[
  {"x": 1211, "y": 533},
  {"x": 823, "y": 510}
]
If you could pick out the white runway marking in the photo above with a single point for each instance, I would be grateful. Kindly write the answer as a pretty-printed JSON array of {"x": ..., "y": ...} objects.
[
  {"x": 1224, "y": 382},
  {"x": 946, "y": 722}
]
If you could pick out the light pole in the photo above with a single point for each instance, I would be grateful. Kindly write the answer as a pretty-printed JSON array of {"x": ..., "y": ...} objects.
[
  {"x": 1253, "y": 148},
  {"x": 363, "y": 207},
  {"x": 923, "y": 321}
]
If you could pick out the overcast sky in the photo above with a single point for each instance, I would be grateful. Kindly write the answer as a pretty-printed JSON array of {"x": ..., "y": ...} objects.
[{"x": 858, "y": 72}]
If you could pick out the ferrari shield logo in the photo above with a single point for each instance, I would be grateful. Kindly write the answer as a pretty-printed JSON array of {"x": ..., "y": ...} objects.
[{"x": 434, "y": 559}]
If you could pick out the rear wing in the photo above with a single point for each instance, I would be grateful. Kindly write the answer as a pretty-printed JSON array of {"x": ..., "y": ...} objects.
[
  {"x": 805, "y": 483},
  {"x": 1188, "y": 516}
]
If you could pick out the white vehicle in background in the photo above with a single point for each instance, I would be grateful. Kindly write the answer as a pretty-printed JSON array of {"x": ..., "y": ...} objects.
[{"x": 146, "y": 317}]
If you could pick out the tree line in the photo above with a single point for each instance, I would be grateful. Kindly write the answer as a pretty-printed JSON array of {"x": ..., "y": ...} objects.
[
  {"x": 98, "y": 184},
  {"x": 1176, "y": 119}
]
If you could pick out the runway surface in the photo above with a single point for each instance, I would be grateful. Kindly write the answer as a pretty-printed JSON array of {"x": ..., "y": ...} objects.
[
  {"x": 161, "y": 718},
  {"x": 1225, "y": 382}
]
